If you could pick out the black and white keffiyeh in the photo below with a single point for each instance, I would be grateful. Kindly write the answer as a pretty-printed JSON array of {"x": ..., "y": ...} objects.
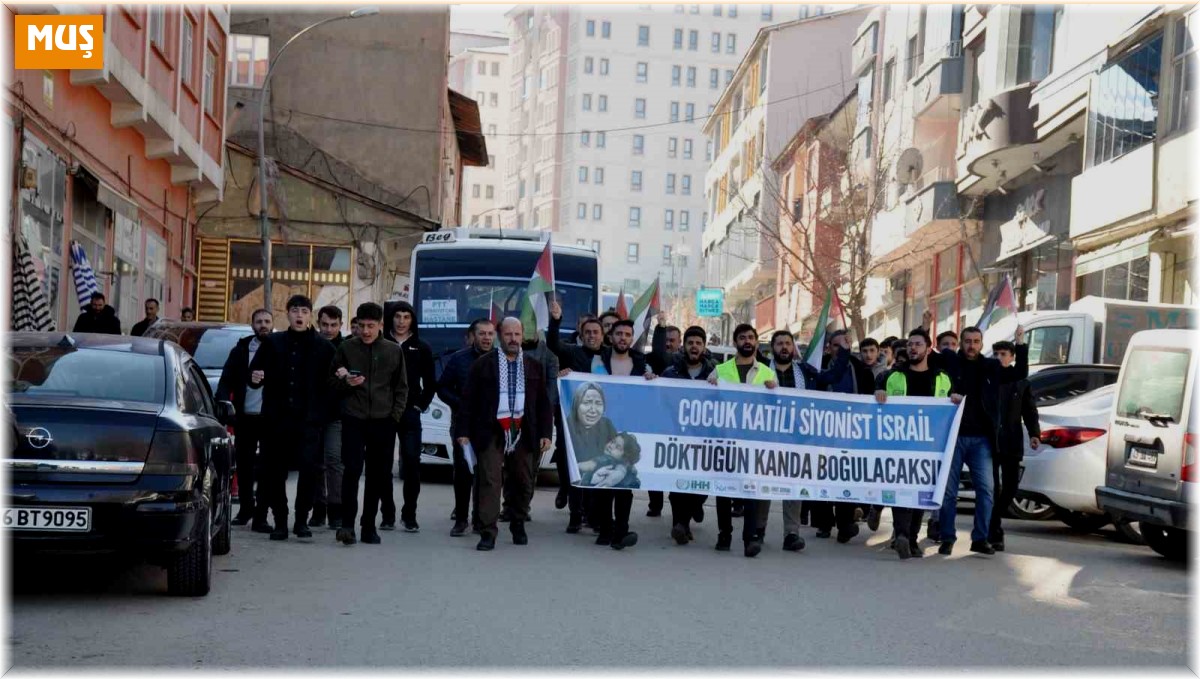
[
  {"x": 511, "y": 408},
  {"x": 797, "y": 373}
]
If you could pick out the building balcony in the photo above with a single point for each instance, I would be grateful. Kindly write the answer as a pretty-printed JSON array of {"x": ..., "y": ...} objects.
[
  {"x": 935, "y": 200},
  {"x": 866, "y": 45},
  {"x": 974, "y": 22},
  {"x": 937, "y": 94},
  {"x": 991, "y": 140}
]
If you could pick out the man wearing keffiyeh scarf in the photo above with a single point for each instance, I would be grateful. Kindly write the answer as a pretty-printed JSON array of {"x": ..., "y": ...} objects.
[{"x": 505, "y": 419}]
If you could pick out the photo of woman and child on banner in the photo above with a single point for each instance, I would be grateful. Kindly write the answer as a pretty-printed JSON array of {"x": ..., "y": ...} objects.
[{"x": 604, "y": 457}]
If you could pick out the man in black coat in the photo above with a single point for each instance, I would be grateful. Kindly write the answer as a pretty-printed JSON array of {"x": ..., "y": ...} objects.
[
  {"x": 692, "y": 363},
  {"x": 292, "y": 369},
  {"x": 97, "y": 317},
  {"x": 248, "y": 425},
  {"x": 450, "y": 389},
  {"x": 1016, "y": 407},
  {"x": 505, "y": 429},
  {"x": 401, "y": 327}
]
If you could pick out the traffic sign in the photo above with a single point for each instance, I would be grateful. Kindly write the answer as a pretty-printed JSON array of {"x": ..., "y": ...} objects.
[{"x": 710, "y": 302}]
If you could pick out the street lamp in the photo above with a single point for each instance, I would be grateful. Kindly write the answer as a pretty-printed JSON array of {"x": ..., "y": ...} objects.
[{"x": 264, "y": 226}]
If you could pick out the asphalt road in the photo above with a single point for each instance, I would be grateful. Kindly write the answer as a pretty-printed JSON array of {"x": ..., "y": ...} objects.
[{"x": 431, "y": 601}]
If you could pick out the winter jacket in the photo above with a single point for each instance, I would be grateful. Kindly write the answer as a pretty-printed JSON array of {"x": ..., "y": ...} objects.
[
  {"x": 103, "y": 323},
  {"x": 993, "y": 375},
  {"x": 454, "y": 377},
  {"x": 385, "y": 393},
  {"x": 418, "y": 359},
  {"x": 549, "y": 362},
  {"x": 140, "y": 328},
  {"x": 1016, "y": 406},
  {"x": 295, "y": 382},
  {"x": 235, "y": 376},
  {"x": 679, "y": 369},
  {"x": 577, "y": 358},
  {"x": 481, "y": 401}
]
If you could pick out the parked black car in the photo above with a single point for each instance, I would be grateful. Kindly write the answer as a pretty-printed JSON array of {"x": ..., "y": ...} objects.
[
  {"x": 118, "y": 447},
  {"x": 208, "y": 343}
]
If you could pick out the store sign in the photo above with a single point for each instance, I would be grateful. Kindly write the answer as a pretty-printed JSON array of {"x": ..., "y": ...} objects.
[
  {"x": 1025, "y": 230},
  {"x": 710, "y": 302}
]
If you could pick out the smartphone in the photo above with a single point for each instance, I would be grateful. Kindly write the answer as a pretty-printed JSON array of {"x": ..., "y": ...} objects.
[{"x": 355, "y": 373}]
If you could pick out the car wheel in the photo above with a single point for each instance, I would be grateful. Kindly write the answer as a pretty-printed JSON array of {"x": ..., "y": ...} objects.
[
  {"x": 1081, "y": 521},
  {"x": 1029, "y": 510},
  {"x": 1170, "y": 542},
  {"x": 190, "y": 574},
  {"x": 223, "y": 542},
  {"x": 1129, "y": 531}
]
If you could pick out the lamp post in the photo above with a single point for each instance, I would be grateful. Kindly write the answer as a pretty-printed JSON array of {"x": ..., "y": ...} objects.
[{"x": 264, "y": 226}]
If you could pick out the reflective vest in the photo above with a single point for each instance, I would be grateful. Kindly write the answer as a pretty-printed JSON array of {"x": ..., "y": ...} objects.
[
  {"x": 897, "y": 384},
  {"x": 760, "y": 373}
]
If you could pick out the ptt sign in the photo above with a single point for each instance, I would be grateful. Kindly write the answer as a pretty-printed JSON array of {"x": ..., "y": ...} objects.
[{"x": 58, "y": 42}]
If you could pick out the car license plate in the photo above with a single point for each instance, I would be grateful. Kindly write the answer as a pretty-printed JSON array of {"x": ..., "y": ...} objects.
[
  {"x": 1143, "y": 457},
  {"x": 68, "y": 519}
]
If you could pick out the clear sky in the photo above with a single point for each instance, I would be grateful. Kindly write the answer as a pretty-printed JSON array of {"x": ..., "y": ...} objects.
[{"x": 480, "y": 17}]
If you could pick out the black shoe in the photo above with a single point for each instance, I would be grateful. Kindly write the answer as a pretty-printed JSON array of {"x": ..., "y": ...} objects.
[
  {"x": 318, "y": 517},
  {"x": 459, "y": 529},
  {"x": 654, "y": 512},
  {"x": 486, "y": 542},
  {"x": 982, "y": 547},
  {"x": 560, "y": 500},
  {"x": 574, "y": 525},
  {"x": 518, "y": 533},
  {"x": 737, "y": 512},
  {"x": 724, "y": 542},
  {"x": 301, "y": 530},
  {"x": 454, "y": 515},
  {"x": 873, "y": 518},
  {"x": 753, "y": 548},
  {"x": 824, "y": 533},
  {"x": 946, "y": 548},
  {"x": 847, "y": 534},
  {"x": 603, "y": 539},
  {"x": 698, "y": 515},
  {"x": 627, "y": 540},
  {"x": 346, "y": 536},
  {"x": 280, "y": 532},
  {"x": 261, "y": 526},
  {"x": 793, "y": 543},
  {"x": 998, "y": 546},
  {"x": 387, "y": 525},
  {"x": 934, "y": 531},
  {"x": 370, "y": 537},
  {"x": 679, "y": 533},
  {"x": 411, "y": 526},
  {"x": 903, "y": 549},
  {"x": 335, "y": 524},
  {"x": 241, "y": 520},
  {"x": 916, "y": 551}
]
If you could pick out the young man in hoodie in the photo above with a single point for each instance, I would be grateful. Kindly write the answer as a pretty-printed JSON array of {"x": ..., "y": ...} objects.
[
  {"x": 691, "y": 364},
  {"x": 329, "y": 486},
  {"x": 370, "y": 378},
  {"x": 98, "y": 317},
  {"x": 450, "y": 389},
  {"x": 418, "y": 364}
]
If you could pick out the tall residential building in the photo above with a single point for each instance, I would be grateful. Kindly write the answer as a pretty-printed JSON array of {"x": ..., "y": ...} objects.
[
  {"x": 610, "y": 103},
  {"x": 481, "y": 72}
]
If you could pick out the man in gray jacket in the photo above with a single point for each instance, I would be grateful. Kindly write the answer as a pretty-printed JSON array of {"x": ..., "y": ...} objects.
[{"x": 369, "y": 376}]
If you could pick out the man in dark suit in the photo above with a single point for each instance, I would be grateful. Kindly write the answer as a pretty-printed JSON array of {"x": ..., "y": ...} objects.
[
  {"x": 235, "y": 377},
  {"x": 1016, "y": 407},
  {"x": 505, "y": 419}
]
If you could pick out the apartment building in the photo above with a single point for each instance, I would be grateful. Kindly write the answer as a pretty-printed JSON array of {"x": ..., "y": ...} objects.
[
  {"x": 482, "y": 72},
  {"x": 612, "y": 102}
]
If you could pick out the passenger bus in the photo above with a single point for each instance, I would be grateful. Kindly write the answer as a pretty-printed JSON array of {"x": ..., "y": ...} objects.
[{"x": 461, "y": 274}]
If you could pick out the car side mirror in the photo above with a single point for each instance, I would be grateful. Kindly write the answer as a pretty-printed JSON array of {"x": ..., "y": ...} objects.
[{"x": 226, "y": 412}]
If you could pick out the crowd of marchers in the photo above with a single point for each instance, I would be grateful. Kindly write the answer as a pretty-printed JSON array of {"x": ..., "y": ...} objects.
[{"x": 333, "y": 407}]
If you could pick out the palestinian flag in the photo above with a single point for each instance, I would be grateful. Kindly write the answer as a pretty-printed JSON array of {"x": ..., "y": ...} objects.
[
  {"x": 1001, "y": 296},
  {"x": 816, "y": 348},
  {"x": 535, "y": 310},
  {"x": 494, "y": 311},
  {"x": 644, "y": 310},
  {"x": 622, "y": 310}
]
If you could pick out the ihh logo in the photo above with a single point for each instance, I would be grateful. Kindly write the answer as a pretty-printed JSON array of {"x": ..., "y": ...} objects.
[{"x": 58, "y": 42}]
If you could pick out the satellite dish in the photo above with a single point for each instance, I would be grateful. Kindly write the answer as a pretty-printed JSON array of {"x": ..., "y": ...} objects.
[{"x": 909, "y": 166}]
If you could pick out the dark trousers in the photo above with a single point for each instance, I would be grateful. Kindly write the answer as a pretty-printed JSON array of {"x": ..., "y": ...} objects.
[
  {"x": 574, "y": 495},
  {"x": 610, "y": 511},
  {"x": 1006, "y": 473},
  {"x": 464, "y": 482},
  {"x": 683, "y": 508},
  {"x": 249, "y": 432},
  {"x": 409, "y": 432},
  {"x": 493, "y": 472},
  {"x": 907, "y": 523},
  {"x": 825, "y": 515},
  {"x": 366, "y": 444},
  {"x": 756, "y": 513},
  {"x": 292, "y": 440},
  {"x": 656, "y": 499}
]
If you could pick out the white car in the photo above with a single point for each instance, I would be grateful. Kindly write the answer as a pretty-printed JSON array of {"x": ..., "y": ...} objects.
[{"x": 1066, "y": 468}]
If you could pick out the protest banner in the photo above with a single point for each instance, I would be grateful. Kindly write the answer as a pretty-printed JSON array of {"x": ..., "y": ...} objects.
[{"x": 750, "y": 442}]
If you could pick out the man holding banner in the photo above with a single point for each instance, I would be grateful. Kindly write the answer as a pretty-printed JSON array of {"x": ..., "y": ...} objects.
[{"x": 691, "y": 365}]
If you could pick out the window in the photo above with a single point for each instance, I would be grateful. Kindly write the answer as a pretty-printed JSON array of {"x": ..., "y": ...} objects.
[
  {"x": 643, "y": 72},
  {"x": 603, "y": 66},
  {"x": 915, "y": 58},
  {"x": 1161, "y": 384},
  {"x": 591, "y": 28},
  {"x": 728, "y": 76},
  {"x": 585, "y": 138},
  {"x": 606, "y": 30},
  {"x": 601, "y": 139},
  {"x": 248, "y": 57},
  {"x": 674, "y": 111},
  {"x": 689, "y": 112},
  {"x": 602, "y": 103},
  {"x": 766, "y": 13},
  {"x": 974, "y": 62},
  {"x": 686, "y": 185},
  {"x": 676, "y": 75},
  {"x": 866, "y": 84},
  {"x": 684, "y": 218},
  {"x": 596, "y": 246},
  {"x": 694, "y": 9},
  {"x": 693, "y": 41},
  {"x": 587, "y": 102},
  {"x": 687, "y": 149},
  {"x": 889, "y": 74},
  {"x": 481, "y": 68},
  {"x": 1183, "y": 70},
  {"x": 494, "y": 100},
  {"x": 475, "y": 191},
  {"x": 669, "y": 220},
  {"x": 1128, "y": 280},
  {"x": 481, "y": 98},
  {"x": 490, "y": 191},
  {"x": 716, "y": 10},
  {"x": 714, "y": 78},
  {"x": 635, "y": 217},
  {"x": 521, "y": 189},
  {"x": 598, "y": 175},
  {"x": 597, "y": 212},
  {"x": 1123, "y": 115},
  {"x": 589, "y": 65},
  {"x": 708, "y": 151},
  {"x": 210, "y": 82},
  {"x": 639, "y": 108},
  {"x": 582, "y": 242},
  {"x": 491, "y": 129},
  {"x": 1035, "y": 52},
  {"x": 495, "y": 68},
  {"x": 731, "y": 43},
  {"x": 672, "y": 147},
  {"x": 639, "y": 144},
  {"x": 716, "y": 42},
  {"x": 487, "y": 221},
  {"x": 671, "y": 182},
  {"x": 581, "y": 211},
  {"x": 679, "y": 9},
  {"x": 187, "y": 47},
  {"x": 691, "y": 76},
  {"x": 631, "y": 253},
  {"x": 537, "y": 184},
  {"x": 583, "y": 174},
  {"x": 666, "y": 254},
  {"x": 635, "y": 180},
  {"x": 156, "y": 28},
  {"x": 733, "y": 11},
  {"x": 643, "y": 36},
  {"x": 678, "y": 38}
]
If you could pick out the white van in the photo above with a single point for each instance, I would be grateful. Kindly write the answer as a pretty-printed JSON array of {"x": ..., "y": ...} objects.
[{"x": 1151, "y": 470}]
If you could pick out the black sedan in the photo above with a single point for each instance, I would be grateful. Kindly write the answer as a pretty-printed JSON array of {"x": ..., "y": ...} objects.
[
  {"x": 208, "y": 343},
  {"x": 118, "y": 446}
]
